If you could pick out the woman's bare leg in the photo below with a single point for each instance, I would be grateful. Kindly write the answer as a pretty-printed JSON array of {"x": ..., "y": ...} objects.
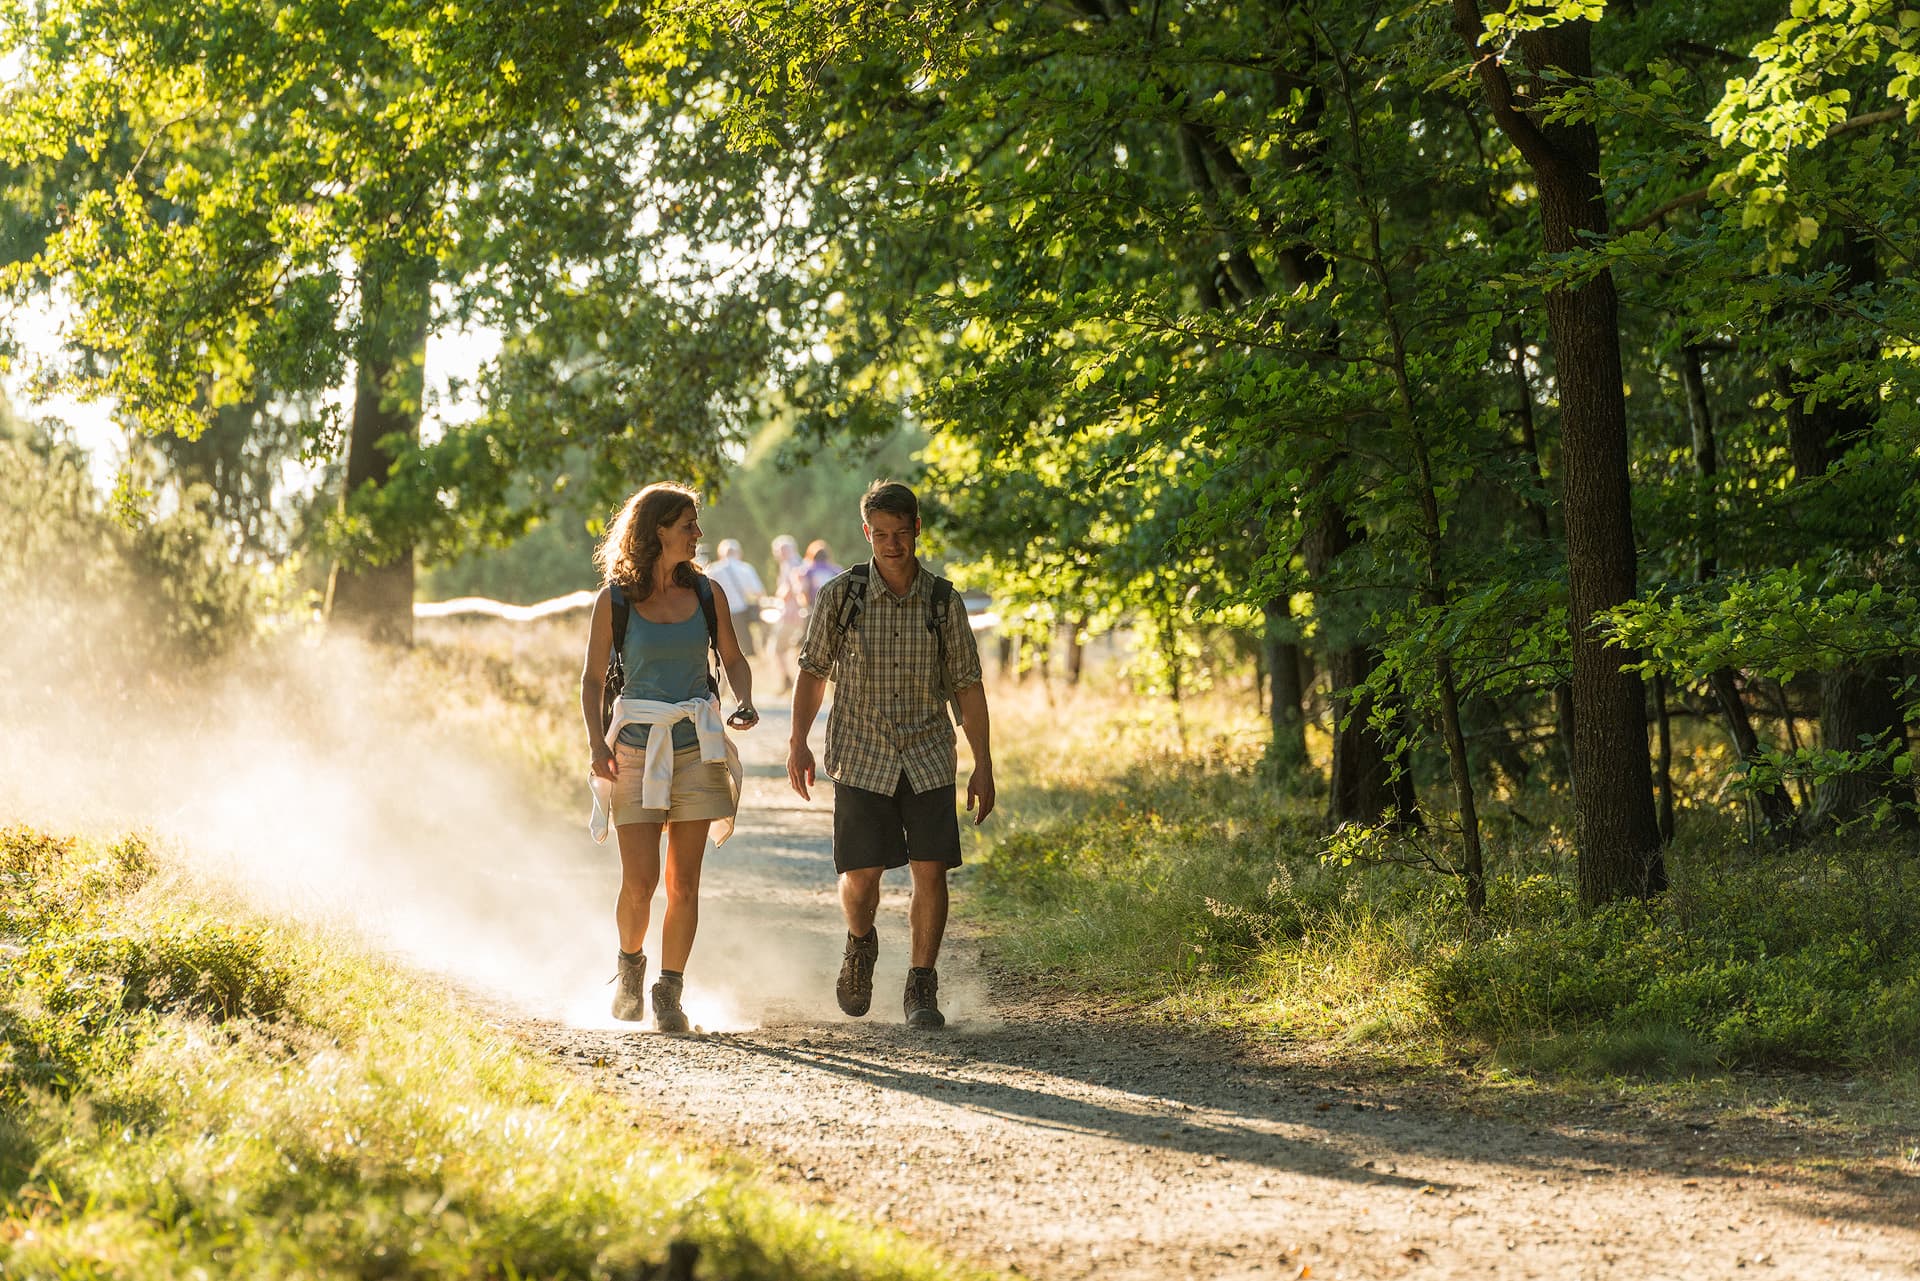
[
  {"x": 639, "y": 877},
  {"x": 686, "y": 847}
]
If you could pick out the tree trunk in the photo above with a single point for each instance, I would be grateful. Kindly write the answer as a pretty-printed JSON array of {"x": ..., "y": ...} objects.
[
  {"x": 1775, "y": 805},
  {"x": 1433, "y": 592},
  {"x": 1286, "y": 715},
  {"x": 1616, "y": 832},
  {"x": 1076, "y": 652},
  {"x": 1859, "y": 707},
  {"x": 1542, "y": 522},
  {"x": 374, "y": 600},
  {"x": 1361, "y": 787},
  {"x": 1859, "y": 710},
  {"x": 1663, "y": 771}
]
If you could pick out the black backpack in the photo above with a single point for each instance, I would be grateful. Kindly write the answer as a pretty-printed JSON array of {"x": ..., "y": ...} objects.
[
  {"x": 616, "y": 678},
  {"x": 940, "y": 598}
]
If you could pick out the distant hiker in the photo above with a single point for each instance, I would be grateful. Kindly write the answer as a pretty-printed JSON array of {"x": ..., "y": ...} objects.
[
  {"x": 661, "y": 759},
  {"x": 818, "y": 571},
  {"x": 790, "y": 594},
  {"x": 744, "y": 590},
  {"x": 894, "y": 639}
]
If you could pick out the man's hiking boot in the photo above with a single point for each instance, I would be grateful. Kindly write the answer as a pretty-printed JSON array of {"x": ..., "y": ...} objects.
[
  {"x": 855, "y": 988},
  {"x": 630, "y": 992},
  {"x": 923, "y": 999},
  {"x": 667, "y": 1014}
]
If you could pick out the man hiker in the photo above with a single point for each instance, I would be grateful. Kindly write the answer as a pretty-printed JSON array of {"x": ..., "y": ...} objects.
[{"x": 895, "y": 641}]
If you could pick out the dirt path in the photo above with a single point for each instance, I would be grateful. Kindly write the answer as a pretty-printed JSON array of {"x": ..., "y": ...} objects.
[{"x": 1064, "y": 1148}]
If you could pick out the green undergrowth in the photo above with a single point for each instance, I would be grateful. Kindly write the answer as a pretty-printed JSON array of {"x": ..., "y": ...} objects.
[
  {"x": 189, "y": 1089},
  {"x": 1173, "y": 873}
]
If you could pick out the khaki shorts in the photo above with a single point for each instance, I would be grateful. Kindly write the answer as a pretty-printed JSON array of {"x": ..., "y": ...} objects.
[{"x": 701, "y": 789}]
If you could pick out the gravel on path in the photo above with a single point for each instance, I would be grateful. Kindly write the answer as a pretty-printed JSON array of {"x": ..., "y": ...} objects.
[{"x": 1053, "y": 1143}]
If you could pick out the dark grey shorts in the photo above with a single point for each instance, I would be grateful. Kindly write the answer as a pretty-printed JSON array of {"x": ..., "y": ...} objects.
[{"x": 872, "y": 829}]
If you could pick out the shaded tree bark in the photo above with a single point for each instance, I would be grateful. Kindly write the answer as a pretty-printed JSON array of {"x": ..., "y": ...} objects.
[
  {"x": 1286, "y": 712},
  {"x": 1542, "y": 523},
  {"x": 1859, "y": 706},
  {"x": 1617, "y": 833},
  {"x": 1362, "y": 786},
  {"x": 1433, "y": 591},
  {"x": 1774, "y": 805},
  {"x": 375, "y": 600},
  {"x": 1663, "y": 771}
]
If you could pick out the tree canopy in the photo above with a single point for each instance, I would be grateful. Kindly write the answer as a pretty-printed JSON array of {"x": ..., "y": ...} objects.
[{"x": 1493, "y": 360}]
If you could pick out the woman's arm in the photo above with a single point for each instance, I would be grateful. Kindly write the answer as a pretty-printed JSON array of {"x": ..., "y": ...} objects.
[
  {"x": 739, "y": 674},
  {"x": 593, "y": 679}
]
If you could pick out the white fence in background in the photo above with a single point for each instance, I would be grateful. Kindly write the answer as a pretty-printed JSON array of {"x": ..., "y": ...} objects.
[
  {"x": 500, "y": 609},
  {"x": 980, "y": 618}
]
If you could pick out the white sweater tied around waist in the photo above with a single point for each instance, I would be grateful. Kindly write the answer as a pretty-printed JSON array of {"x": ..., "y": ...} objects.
[{"x": 656, "y": 791}]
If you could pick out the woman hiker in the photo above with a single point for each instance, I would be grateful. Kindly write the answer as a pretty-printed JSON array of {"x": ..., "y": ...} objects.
[{"x": 661, "y": 761}]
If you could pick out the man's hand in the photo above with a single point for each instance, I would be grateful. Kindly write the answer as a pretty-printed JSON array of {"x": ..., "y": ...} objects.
[
  {"x": 800, "y": 768},
  {"x": 980, "y": 794}
]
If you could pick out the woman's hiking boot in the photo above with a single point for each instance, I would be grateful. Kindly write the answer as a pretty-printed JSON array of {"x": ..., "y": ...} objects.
[
  {"x": 855, "y": 987},
  {"x": 667, "y": 1014},
  {"x": 923, "y": 999},
  {"x": 630, "y": 990}
]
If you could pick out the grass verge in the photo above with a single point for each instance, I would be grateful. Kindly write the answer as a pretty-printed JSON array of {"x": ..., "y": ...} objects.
[
  {"x": 190, "y": 1089},
  {"x": 1164, "y": 867}
]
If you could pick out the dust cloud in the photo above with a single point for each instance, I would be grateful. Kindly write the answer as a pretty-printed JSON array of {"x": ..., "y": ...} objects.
[{"x": 331, "y": 784}]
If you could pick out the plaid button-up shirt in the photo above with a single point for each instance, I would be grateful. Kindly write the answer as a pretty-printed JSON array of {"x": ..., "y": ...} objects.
[{"x": 887, "y": 717}]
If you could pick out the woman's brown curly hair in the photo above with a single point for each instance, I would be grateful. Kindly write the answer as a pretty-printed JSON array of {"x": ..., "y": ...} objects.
[{"x": 627, "y": 554}]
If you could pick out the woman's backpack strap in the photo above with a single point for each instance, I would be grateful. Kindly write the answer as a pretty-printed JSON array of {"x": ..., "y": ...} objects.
[
  {"x": 618, "y": 596},
  {"x": 703, "y": 588},
  {"x": 616, "y": 677}
]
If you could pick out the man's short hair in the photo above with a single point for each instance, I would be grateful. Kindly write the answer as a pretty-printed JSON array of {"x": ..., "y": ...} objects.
[
  {"x": 889, "y": 496},
  {"x": 729, "y": 547}
]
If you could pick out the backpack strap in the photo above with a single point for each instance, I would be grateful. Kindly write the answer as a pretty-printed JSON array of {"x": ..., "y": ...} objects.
[
  {"x": 616, "y": 677},
  {"x": 618, "y": 596},
  {"x": 940, "y": 598},
  {"x": 703, "y": 588},
  {"x": 850, "y": 606}
]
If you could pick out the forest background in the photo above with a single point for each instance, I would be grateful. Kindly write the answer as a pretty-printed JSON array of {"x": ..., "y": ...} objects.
[{"x": 1521, "y": 400}]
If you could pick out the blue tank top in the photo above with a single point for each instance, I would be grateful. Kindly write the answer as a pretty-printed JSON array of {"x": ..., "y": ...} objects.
[{"x": 666, "y": 662}]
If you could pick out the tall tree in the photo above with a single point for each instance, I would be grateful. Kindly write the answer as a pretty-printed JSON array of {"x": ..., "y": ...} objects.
[
  {"x": 297, "y": 197},
  {"x": 1618, "y": 835}
]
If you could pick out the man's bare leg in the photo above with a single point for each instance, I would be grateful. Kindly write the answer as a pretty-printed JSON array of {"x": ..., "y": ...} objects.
[
  {"x": 929, "y": 911},
  {"x": 860, "y": 899}
]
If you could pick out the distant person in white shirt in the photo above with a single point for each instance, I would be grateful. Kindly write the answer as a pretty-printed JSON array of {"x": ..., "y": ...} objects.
[{"x": 744, "y": 590}]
